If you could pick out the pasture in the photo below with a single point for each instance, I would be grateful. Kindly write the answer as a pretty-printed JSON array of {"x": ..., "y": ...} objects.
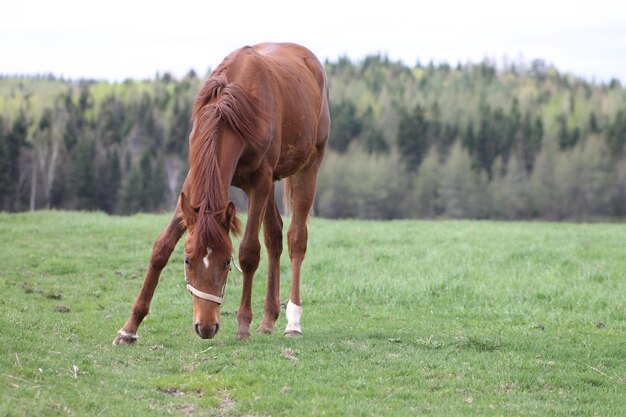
[{"x": 400, "y": 318}]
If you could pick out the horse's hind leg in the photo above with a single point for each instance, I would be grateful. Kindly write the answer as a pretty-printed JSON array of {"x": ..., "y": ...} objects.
[
  {"x": 273, "y": 234},
  {"x": 161, "y": 251},
  {"x": 302, "y": 192}
]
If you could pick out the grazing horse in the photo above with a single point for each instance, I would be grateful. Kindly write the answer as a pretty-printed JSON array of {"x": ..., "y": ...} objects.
[{"x": 260, "y": 117}]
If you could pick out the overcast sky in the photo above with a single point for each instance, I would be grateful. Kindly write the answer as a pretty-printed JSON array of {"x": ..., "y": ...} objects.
[{"x": 116, "y": 39}]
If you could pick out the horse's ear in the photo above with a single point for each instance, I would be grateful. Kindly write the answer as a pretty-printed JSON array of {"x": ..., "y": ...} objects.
[
  {"x": 189, "y": 215},
  {"x": 231, "y": 221}
]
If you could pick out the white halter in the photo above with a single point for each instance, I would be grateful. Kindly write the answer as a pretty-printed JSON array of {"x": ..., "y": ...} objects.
[
  {"x": 204, "y": 295},
  {"x": 207, "y": 296}
]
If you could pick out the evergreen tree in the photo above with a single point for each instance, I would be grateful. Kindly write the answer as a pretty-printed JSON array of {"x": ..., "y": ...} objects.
[
  {"x": 130, "y": 200},
  {"x": 372, "y": 139},
  {"x": 510, "y": 197},
  {"x": 146, "y": 201},
  {"x": 616, "y": 133},
  {"x": 110, "y": 121},
  {"x": 493, "y": 137},
  {"x": 180, "y": 128},
  {"x": 593, "y": 123},
  {"x": 586, "y": 181},
  {"x": 567, "y": 138},
  {"x": 346, "y": 125},
  {"x": 529, "y": 141},
  {"x": 620, "y": 192},
  {"x": 427, "y": 184},
  {"x": 84, "y": 173},
  {"x": 75, "y": 122},
  {"x": 15, "y": 141},
  {"x": 5, "y": 176},
  {"x": 459, "y": 185},
  {"x": 158, "y": 186},
  {"x": 469, "y": 139},
  {"x": 544, "y": 187},
  {"x": 109, "y": 182},
  {"x": 412, "y": 138}
]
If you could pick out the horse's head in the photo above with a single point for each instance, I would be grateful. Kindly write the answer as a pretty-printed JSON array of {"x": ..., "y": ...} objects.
[{"x": 206, "y": 268}]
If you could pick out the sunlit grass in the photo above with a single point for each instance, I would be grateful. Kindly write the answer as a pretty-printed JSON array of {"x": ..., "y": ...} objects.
[{"x": 400, "y": 318}]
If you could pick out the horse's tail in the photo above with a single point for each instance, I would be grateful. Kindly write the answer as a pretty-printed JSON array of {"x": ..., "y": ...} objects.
[
  {"x": 288, "y": 196},
  {"x": 288, "y": 199}
]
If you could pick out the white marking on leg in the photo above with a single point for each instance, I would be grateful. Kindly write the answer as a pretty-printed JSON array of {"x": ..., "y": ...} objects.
[
  {"x": 294, "y": 314},
  {"x": 127, "y": 336},
  {"x": 206, "y": 258}
]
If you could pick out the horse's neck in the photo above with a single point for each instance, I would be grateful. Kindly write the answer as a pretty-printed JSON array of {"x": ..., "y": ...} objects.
[{"x": 230, "y": 149}]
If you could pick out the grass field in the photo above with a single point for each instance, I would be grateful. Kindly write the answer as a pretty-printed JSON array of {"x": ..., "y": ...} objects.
[{"x": 400, "y": 318}]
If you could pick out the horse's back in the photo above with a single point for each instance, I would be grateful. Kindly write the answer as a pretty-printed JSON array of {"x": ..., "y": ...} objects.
[
  {"x": 290, "y": 85},
  {"x": 305, "y": 109},
  {"x": 302, "y": 79},
  {"x": 295, "y": 55}
]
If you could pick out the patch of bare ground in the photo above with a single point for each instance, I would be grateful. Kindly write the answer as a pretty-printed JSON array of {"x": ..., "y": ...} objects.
[{"x": 226, "y": 402}]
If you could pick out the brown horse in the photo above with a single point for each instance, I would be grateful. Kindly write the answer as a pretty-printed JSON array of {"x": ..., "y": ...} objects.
[{"x": 261, "y": 116}]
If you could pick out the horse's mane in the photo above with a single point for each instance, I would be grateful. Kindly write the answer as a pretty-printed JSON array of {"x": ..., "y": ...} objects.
[{"x": 217, "y": 103}]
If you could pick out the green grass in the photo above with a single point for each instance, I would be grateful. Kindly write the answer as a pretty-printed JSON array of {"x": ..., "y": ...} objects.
[{"x": 400, "y": 318}]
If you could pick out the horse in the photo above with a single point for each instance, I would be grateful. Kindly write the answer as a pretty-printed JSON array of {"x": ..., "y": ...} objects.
[{"x": 261, "y": 116}]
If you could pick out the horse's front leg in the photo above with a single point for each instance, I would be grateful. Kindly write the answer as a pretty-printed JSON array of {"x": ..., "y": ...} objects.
[
  {"x": 273, "y": 234},
  {"x": 161, "y": 251},
  {"x": 250, "y": 251}
]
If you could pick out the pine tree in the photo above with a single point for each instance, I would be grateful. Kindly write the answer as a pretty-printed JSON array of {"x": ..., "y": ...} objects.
[
  {"x": 509, "y": 190},
  {"x": 427, "y": 184},
  {"x": 586, "y": 178},
  {"x": 5, "y": 177},
  {"x": 109, "y": 183},
  {"x": 347, "y": 125},
  {"x": 84, "y": 174},
  {"x": 616, "y": 133},
  {"x": 493, "y": 136},
  {"x": 130, "y": 201},
  {"x": 412, "y": 138},
  {"x": 15, "y": 141},
  {"x": 458, "y": 183},
  {"x": 158, "y": 186},
  {"x": 180, "y": 128},
  {"x": 544, "y": 187},
  {"x": 146, "y": 201}
]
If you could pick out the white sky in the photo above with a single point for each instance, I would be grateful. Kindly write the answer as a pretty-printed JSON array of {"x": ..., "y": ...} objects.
[{"x": 116, "y": 39}]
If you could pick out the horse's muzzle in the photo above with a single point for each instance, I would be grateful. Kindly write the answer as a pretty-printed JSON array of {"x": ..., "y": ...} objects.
[{"x": 208, "y": 331}]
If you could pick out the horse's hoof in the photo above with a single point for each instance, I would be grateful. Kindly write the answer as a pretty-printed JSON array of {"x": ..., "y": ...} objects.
[
  {"x": 124, "y": 338},
  {"x": 293, "y": 333},
  {"x": 265, "y": 329},
  {"x": 243, "y": 335}
]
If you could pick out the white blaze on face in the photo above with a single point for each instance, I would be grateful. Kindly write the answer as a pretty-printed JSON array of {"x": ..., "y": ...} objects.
[{"x": 206, "y": 258}]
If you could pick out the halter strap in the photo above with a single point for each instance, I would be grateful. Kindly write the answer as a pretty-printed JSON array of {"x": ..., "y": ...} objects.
[
  {"x": 204, "y": 295},
  {"x": 201, "y": 294}
]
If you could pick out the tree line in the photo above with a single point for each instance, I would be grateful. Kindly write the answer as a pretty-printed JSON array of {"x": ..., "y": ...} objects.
[{"x": 513, "y": 141}]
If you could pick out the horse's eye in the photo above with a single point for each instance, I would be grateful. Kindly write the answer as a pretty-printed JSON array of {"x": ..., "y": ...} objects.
[
  {"x": 228, "y": 264},
  {"x": 187, "y": 263}
]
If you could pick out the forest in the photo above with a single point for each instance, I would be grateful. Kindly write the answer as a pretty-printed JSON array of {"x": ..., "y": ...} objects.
[{"x": 517, "y": 140}]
